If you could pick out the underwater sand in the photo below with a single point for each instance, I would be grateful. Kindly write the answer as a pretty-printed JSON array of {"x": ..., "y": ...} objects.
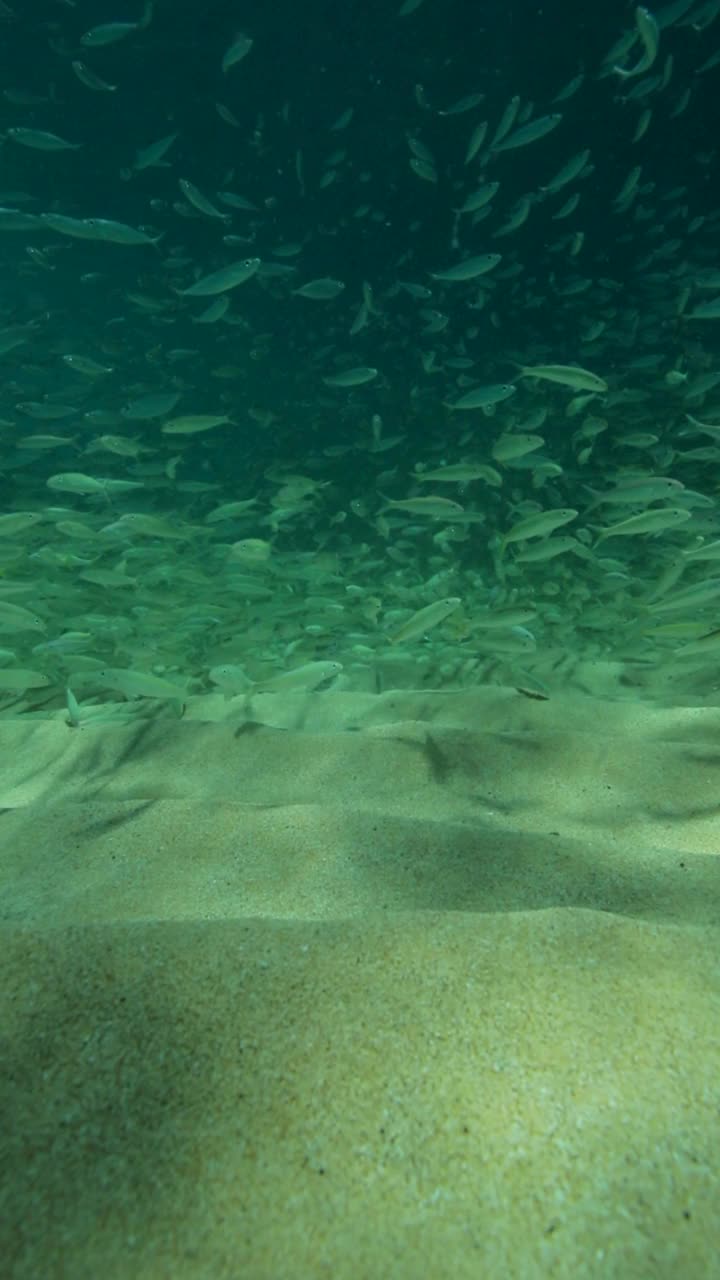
[{"x": 345, "y": 985}]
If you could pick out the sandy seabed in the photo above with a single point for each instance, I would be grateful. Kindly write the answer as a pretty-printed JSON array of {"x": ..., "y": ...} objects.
[{"x": 362, "y": 986}]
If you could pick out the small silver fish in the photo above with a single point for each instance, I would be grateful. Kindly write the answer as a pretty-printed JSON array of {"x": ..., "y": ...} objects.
[
  {"x": 351, "y": 377},
  {"x": 235, "y": 52},
  {"x": 39, "y": 140},
  {"x": 424, "y": 619},
  {"x": 468, "y": 269},
  {"x": 483, "y": 397},
  {"x": 226, "y": 278},
  {"x": 322, "y": 290}
]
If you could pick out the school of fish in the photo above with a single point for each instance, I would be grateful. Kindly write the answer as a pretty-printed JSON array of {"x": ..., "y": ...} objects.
[{"x": 426, "y": 395}]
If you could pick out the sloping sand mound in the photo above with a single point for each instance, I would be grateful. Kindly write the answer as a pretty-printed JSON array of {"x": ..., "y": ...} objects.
[{"x": 362, "y": 986}]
